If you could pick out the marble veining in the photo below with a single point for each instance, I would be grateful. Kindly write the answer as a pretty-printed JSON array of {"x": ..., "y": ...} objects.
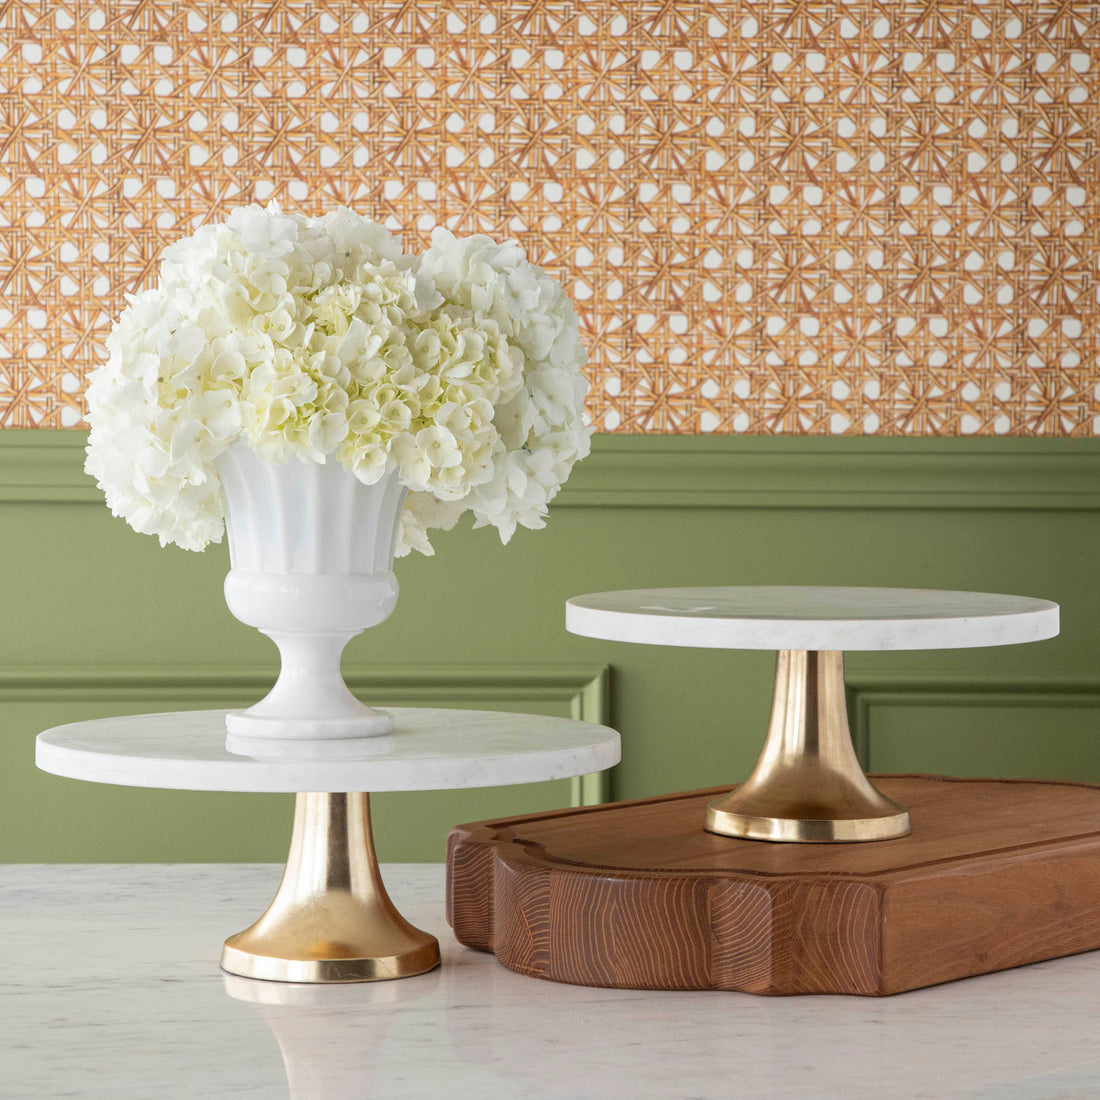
[
  {"x": 112, "y": 990},
  {"x": 429, "y": 750},
  {"x": 790, "y": 617}
]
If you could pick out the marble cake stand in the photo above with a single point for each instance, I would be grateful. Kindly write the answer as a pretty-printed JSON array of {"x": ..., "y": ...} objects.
[
  {"x": 331, "y": 919},
  {"x": 808, "y": 784}
]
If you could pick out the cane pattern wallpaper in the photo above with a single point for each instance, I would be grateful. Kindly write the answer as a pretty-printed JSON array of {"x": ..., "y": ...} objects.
[{"x": 780, "y": 216}]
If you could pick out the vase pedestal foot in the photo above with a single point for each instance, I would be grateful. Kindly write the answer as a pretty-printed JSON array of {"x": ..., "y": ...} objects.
[
  {"x": 310, "y": 710},
  {"x": 320, "y": 748},
  {"x": 808, "y": 785},
  {"x": 331, "y": 919}
]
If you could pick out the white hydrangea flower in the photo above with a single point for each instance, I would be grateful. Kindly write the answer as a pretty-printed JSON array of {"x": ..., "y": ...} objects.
[
  {"x": 319, "y": 340},
  {"x": 540, "y": 424}
]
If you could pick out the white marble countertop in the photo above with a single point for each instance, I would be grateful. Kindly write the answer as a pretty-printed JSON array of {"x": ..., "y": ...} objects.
[{"x": 111, "y": 988}]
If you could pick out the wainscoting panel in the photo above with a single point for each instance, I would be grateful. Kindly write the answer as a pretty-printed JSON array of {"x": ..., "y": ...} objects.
[
  {"x": 98, "y": 620},
  {"x": 1019, "y": 727}
]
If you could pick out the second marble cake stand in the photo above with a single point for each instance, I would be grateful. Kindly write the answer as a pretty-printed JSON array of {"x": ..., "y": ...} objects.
[
  {"x": 331, "y": 919},
  {"x": 808, "y": 784}
]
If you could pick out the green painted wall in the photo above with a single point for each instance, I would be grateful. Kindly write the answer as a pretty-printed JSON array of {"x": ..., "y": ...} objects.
[{"x": 98, "y": 620}]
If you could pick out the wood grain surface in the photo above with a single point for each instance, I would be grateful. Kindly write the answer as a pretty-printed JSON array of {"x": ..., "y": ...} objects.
[{"x": 995, "y": 874}]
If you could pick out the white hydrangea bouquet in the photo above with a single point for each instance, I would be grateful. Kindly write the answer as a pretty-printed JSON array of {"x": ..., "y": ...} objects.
[
  {"x": 330, "y": 399},
  {"x": 318, "y": 339}
]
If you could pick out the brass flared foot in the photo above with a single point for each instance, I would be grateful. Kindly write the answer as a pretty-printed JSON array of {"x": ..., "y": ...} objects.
[
  {"x": 805, "y": 830},
  {"x": 808, "y": 786},
  {"x": 366, "y": 968},
  {"x": 331, "y": 919}
]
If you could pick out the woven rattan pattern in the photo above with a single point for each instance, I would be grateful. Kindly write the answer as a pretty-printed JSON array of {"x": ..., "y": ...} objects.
[{"x": 774, "y": 217}]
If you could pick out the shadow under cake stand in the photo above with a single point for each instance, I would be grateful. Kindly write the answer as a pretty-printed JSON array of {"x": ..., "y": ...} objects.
[
  {"x": 331, "y": 919},
  {"x": 808, "y": 784}
]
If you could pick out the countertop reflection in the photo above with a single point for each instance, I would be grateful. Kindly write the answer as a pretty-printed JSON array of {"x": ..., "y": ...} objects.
[{"x": 112, "y": 989}]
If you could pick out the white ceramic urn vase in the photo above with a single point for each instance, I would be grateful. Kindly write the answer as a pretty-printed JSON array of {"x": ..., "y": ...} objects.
[{"x": 311, "y": 552}]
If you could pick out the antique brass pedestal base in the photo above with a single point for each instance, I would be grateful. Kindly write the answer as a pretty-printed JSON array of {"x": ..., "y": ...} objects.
[
  {"x": 808, "y": 785},
  {"x": 331, "y": 919}
]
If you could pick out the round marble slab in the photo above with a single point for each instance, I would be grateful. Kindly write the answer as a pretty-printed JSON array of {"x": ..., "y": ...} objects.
[
  {"x": 775, "y": 617},
  {"x": 428, "y": 750}
]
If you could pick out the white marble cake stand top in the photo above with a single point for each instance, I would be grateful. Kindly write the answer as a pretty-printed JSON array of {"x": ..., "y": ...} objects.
[
  {"x": 428, "y": 750},
  {"x": 774, "y": 617}
]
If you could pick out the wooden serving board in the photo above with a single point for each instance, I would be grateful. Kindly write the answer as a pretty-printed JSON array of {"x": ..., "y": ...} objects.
[{"x": 995, "y": 873}]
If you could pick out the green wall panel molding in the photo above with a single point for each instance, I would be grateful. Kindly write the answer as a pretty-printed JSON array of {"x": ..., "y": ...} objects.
[
  {"x": 99, "y": 620},
  {"x": 45, "y": 465},
  {"x": 721, "y": 471},
  {"x": 1010, "y": 726},
  {"x": 826, "y": 472},
  {"x": 580, "y": 690}
]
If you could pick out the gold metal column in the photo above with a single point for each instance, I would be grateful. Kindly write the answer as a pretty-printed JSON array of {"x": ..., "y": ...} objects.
[
  {"x": 331, "y": 919},
  {"x": 807, "y": 785}
]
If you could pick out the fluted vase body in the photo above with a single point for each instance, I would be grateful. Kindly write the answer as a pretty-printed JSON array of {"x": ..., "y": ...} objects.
[{"x": 311, "y": 552}]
